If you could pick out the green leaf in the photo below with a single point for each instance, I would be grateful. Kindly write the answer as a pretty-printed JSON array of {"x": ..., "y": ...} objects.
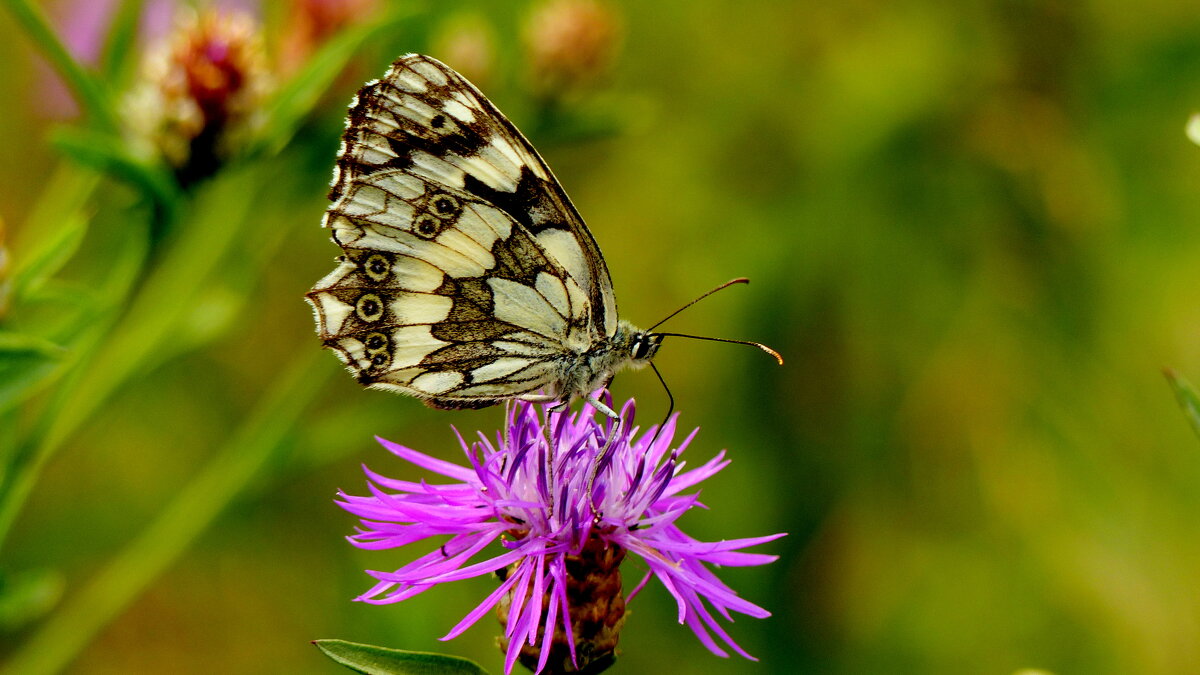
[
  {"x": 19, "y": 343},
  {"x": 293, "y": 102},
  {"x": 51, "y": 253},
  {"x": 26, "y": 361},
  {"x": 110, "y": 154},
  {"x": 65, "y": 201},
  {"x": 121, "y": 37},
  {"x": 372, "y": 660},
  {"x": 1186, "y": 395},
  {"x": 27, "y": 596}
]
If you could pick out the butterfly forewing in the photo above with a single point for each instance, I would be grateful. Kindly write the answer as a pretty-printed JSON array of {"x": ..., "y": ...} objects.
[
  {"x": 426, "y": 118},
  {"x": 468, "y": 277}
]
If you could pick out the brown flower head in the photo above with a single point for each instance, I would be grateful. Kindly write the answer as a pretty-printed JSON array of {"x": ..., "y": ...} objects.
[{"x": 200, "y": 92}]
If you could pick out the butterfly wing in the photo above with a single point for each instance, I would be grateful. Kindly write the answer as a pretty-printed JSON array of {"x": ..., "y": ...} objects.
[
  {"x": 468, "y": 276},
  {"x": 425, "y": 117}
]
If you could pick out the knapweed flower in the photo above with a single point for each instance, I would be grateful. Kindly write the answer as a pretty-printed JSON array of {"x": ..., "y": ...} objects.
[
  {"x": 524, "y": 512},
  {"x": 200, "y": 91}
]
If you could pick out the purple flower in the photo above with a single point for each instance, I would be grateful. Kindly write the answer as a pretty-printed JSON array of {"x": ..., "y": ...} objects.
[{"x": 554, "y": 545}]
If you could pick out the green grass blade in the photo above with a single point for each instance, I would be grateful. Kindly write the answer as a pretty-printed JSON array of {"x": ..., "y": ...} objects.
[
  {"x": 52, "y": 252},
  {"x": 62, "y": 207}
]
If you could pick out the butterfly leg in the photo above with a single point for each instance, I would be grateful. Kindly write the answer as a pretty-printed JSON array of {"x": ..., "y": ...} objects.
[
  {"x": 603, "y": 454},
  {"x": 600, "y": 406}
]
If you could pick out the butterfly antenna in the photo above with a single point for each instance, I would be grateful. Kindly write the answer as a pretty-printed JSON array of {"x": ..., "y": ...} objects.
[
  {"x": 727, "y": 284},
  {"x": 760, "y": 345},
  {"x": 670, "y": 403}
]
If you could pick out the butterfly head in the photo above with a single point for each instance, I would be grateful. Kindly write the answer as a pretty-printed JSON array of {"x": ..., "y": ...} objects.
[
  {"x": 631, "y": 347},
  {"x": 643, "y": 345}
]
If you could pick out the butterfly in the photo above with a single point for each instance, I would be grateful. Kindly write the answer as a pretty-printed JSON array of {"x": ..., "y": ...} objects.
[{"x": 468, "y": 277}]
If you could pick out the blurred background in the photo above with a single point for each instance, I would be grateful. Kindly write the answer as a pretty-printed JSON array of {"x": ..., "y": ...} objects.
[{"x": 971, "y": 230}]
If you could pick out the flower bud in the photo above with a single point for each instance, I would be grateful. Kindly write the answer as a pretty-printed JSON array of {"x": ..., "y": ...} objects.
[
  {"x": 597, "y": 609},
  {"x": 467, "y": 42},
  {"x": 311, "y": 22},
  {"x": 571, "y": 43}
]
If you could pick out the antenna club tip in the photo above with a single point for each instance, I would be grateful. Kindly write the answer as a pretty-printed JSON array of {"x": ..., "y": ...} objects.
[
  {"x": 772, "y": 352},
  {"x": 740, "y": 280}
]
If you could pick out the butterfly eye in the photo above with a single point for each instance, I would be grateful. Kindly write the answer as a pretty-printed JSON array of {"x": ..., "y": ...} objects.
[
  {"x": 377, "y": 267},
  {"x": 446, "y": 206},
  {"x": 639, "y": 348},
  {"x": 645, "y": 346},
  {"x": 369, "y": 307},
  {"x": 427, "y": 226}
]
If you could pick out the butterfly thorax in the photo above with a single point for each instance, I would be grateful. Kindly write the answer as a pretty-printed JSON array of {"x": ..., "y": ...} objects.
[{"x": 629, "y": 347}]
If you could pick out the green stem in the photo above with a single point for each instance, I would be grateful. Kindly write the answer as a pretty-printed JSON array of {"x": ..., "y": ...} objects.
[
  {"x": 195, "y": 508},
  {"x": 163, "y": 300},
  {"x": 90, "y": 95},
  {"x": 31, "y": 454}
]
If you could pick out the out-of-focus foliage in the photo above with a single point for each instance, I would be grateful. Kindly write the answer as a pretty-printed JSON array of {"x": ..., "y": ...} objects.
[{"x": 971, "y": 230}]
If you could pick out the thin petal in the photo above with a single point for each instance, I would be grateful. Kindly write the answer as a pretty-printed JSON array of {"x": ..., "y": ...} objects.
[
  {"x": 482, "y": 608},
  {"x": 425, "y": 461}
]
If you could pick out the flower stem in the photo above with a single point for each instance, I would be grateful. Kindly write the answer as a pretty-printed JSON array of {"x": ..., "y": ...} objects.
[
  {"x": 198, "y": 505},
  {"x": 162, "y": 301}
]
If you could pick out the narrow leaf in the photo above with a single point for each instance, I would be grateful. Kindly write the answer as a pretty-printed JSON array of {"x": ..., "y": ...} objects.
[
  {"x": 109, "y": 154},
  {"x": 12, "y": 343},
  {"x": 52, "y": 252},
  {"x": 372, "y": 660},
  {"x": 65, "y": 199},
  {"x": 1186, "y": 395},
  {"x": 26, "y": 361},
  {"x": 121, "y": 37}
]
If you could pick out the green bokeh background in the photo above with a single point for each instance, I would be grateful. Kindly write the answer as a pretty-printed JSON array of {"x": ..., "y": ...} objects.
[{"x": 971, "y": 230}]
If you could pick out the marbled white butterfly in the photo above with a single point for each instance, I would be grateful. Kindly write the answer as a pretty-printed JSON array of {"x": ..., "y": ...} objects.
[{"x": 468, "y": 277}]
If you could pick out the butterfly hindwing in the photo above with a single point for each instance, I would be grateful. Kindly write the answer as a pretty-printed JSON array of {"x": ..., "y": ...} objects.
[{"x": 443, "y": 296}]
